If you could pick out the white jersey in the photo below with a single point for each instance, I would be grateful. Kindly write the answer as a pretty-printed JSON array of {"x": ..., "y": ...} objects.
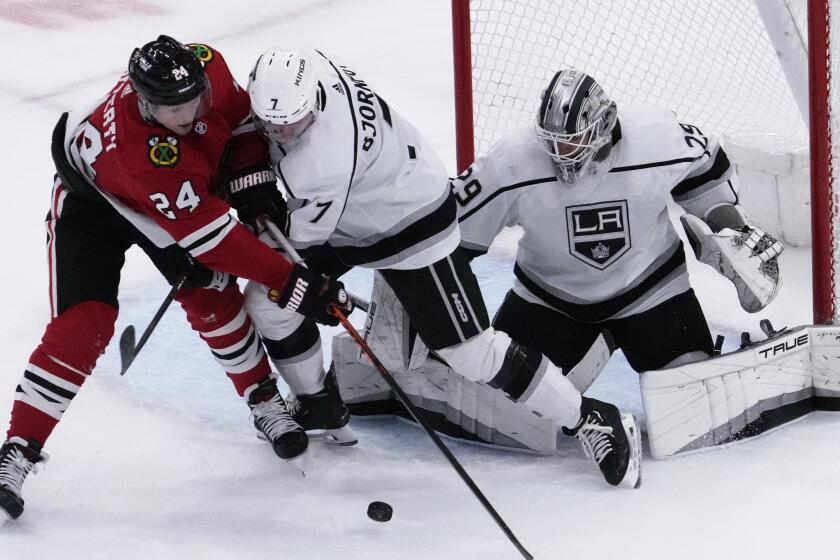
[
  {"x": 365, "y": 181},
  {"x": 605, "y": 246}
]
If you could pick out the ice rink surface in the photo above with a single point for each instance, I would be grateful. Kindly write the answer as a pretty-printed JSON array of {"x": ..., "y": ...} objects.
[{"x": 164, "y": 463}]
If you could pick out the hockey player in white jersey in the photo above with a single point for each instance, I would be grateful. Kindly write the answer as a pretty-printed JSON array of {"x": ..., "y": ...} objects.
[
  {"x": 365, "y": 189},
  {"x": 599, "y": 264}
]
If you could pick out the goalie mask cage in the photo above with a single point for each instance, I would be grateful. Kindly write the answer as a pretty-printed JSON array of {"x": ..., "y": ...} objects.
[{"x": 734, "y": 67}]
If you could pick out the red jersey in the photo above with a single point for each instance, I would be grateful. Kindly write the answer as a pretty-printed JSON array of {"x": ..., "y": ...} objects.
[{"x": 161, "y": 182}]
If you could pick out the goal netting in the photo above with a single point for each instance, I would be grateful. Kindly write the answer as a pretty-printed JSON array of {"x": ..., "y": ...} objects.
[{"x": 716, "y": 63}]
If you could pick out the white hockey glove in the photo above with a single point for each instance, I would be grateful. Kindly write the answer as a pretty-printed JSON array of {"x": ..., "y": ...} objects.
[{"x": 747, "y": 257}]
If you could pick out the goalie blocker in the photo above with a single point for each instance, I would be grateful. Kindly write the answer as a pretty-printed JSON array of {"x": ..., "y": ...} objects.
[{"x": 699, "y": 405}]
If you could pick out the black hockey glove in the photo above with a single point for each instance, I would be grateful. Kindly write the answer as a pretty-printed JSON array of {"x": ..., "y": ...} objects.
[
  {"x": 312, "y": 295},
  {"x": 203, "y": 277},
  {"x": 255, "y": 194},
  {"x": 174, "y": 262}
]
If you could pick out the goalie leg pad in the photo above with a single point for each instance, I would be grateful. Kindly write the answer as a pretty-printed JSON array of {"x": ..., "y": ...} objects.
[
  {"x": 825, "y": 361},
  {"x": 742, "y": 394},
  {"x": 453, "y": 405},
  {"x": 587, "y": 370}
]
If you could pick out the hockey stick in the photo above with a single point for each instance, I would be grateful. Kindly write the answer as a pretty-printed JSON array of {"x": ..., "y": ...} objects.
[
  {"x": 278, "y": 236},
  {"x": 420, "y": 419},
  {"x": 128, "y": 350}
]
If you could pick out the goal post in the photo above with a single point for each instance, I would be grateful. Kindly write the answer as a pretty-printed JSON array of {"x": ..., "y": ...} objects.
[
  {"x": 733, "y": 67},
  {"x": 824, "y": 219},
  {"x": 462, "y": 63}
]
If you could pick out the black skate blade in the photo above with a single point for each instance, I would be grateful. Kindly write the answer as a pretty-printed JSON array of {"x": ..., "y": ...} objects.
[{"x": 633, "y": 476}]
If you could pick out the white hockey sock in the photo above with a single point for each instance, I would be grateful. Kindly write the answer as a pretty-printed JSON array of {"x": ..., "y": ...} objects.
[{"x": 546, "y": 390}]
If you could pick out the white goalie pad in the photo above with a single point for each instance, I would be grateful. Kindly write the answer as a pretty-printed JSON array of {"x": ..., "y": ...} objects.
[
  {"x": 453, "y": 405},
  {"x": 744, "y": 393},
  {"x": 397, "y": 347},
  {"x": 749, "y": 259},
  {"x": 825, "y": 364}
]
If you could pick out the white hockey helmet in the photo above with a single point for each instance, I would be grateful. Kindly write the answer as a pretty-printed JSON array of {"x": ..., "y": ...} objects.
[
  {"x": 575, "y": 123},
  {"x": 283, "y": 87}
]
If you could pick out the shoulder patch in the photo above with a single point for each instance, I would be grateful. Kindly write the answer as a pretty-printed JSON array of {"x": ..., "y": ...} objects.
[
  {"x": 202, "y": 52},
  {"x": 164, "y": 151}
]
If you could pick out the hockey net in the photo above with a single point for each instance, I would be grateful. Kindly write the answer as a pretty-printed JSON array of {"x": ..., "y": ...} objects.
[{"x": 711, "y": 62}]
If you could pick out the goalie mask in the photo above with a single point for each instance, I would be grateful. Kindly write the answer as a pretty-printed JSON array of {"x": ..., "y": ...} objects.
[
  {"x": 283, "y": 87},
  {"x": 575, "y": 123}
]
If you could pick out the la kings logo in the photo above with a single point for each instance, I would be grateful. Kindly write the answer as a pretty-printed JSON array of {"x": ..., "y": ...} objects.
[{"x": 598, "y": 233}]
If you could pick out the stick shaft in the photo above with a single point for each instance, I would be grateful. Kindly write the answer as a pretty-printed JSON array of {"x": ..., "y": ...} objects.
[
  {"x": 278, "y": 236},
  {"x": 383, "y": 371},
  {"x": 155, "y": 320}
]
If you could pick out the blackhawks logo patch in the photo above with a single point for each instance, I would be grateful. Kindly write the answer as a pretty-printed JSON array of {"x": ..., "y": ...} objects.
[
  {"x": 164, "y": 152},
  {"x": 202, "y": 52}
]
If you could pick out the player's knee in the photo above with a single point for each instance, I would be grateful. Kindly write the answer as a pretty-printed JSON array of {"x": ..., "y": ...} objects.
[
  {"x": 292, "y": 345},
  {"x": 208, "y": 310},
  {"x": 518, "y": 370},
  {"x": 480, "y": 357},
  {"x": 80, "y": 334}
]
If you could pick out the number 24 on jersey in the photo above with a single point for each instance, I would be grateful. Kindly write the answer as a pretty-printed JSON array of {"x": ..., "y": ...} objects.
[{"x": 186, "y": 200}]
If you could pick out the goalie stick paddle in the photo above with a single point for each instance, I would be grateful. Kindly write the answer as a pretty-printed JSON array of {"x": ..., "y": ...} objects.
[
  {"x": 278, "y": 236},
  {"x": 128, "y": 350}
]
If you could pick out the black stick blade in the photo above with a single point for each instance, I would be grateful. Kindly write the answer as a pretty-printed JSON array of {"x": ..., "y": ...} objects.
[{"x": 127, "y": 346}]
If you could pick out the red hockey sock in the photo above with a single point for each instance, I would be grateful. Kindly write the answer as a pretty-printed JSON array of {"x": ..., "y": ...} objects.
[
  {"x": 221, "y": 321},
  {"x": 72, "y": 343}
]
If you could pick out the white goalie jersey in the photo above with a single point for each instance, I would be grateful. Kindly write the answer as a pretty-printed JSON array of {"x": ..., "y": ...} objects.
[
  {"x": 605, "y": 246},
  {"x": 364, "y": 180}
]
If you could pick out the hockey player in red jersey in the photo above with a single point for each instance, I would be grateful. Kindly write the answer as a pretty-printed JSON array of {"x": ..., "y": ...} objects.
[{"x": 138, "y": 167}]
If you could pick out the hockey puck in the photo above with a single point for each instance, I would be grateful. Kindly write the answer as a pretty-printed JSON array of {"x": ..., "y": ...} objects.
[{"x": 380, "y": 511}]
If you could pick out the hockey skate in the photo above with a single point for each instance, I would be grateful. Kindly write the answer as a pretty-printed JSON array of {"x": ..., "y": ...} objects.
[
  {"x": 323, "y": 415},
  {"x": 17, "y": 458},
  {"x": 612, "y": 440},
  {"x": 273, "y": 421}
]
